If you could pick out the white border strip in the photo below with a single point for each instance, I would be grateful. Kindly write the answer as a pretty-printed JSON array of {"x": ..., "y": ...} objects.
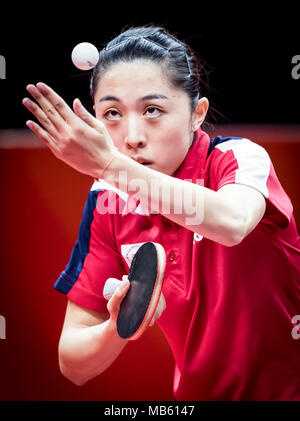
[{"x": 20, "y": 139}]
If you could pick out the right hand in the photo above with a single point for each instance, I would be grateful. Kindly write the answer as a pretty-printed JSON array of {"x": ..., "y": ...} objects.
[
  {"x": 76, "y": 137},
  {"x": 119, "y": 294}
]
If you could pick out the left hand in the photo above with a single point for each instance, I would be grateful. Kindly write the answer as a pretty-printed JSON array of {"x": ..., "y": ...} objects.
[{"x": 75, "y": 137}]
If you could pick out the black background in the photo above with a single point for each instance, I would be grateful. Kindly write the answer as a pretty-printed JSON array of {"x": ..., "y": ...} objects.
[{"x": 248, "y": 50}]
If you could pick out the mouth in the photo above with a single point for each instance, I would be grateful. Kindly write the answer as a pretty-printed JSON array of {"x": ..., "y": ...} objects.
[{"x": 142, "y": 161}]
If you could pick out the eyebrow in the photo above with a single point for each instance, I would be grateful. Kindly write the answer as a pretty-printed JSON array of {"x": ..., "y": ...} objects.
[{"x": 144, "y": 98}]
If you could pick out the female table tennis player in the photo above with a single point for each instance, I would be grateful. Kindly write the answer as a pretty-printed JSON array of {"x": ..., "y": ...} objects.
[{"x": 232, "y": 277}]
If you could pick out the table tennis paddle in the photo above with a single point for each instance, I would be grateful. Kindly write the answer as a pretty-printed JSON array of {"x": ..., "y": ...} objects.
[{"x": 146, "y": 278}]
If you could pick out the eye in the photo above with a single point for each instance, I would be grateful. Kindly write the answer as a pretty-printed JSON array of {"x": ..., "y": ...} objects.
[
  {"x": 112, "y": 114},
  {"x": 153, "y": 112}
]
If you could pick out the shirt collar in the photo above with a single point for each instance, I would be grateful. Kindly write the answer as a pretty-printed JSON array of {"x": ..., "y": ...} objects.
[{"x": 195, "y": 158}]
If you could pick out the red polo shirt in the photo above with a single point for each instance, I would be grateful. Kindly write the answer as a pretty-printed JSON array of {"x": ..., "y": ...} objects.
[{"x": 229, "y": 310}]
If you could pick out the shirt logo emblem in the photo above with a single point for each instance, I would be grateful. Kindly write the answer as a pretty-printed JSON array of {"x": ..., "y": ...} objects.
[
  {"x": 197, "y": 237},
  {"x": 128, "y": 251}
]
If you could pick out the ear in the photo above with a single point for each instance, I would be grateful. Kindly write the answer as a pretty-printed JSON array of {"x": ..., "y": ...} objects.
[{"x": 199, "y": 114}]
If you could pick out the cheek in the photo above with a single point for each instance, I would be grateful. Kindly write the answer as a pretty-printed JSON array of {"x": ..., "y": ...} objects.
[
  {"x": 172, "y": 149},
  {"x": 177, "y": 139}
]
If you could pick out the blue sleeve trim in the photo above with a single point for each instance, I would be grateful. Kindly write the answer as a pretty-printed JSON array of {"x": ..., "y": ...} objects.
[
  {"x": 64, "y": 283},
  {"x": 217, "y": 140},
  {"x": 72, "y": 271}
]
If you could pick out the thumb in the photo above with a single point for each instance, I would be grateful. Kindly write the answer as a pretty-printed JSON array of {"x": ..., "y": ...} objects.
[
  {"x": 87, "y": 117},
  {"x": 114, "y": 303}
]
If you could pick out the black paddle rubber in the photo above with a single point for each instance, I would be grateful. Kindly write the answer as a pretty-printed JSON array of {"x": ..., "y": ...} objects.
[{"x": 145, "y": 277}]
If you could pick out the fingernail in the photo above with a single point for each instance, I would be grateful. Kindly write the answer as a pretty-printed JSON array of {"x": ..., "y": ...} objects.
[
  {"x": 29, "y": 124},
  {"x": 30, "y": 88},
  {"x": 79, "y": 105},
  {"x": 26, "y": 102},
  {"x": 42, "y": 87}
]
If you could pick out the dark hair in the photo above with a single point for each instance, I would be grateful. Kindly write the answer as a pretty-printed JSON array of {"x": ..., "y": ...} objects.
[{"x": 156, "y": 44}]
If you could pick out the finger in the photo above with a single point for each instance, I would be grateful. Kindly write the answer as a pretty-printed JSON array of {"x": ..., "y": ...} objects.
[
  {"x": 151, "y": 324},
  {"x": 56, "y": 101},
  {"x": 92, "y": 121},
  {"x": 41, "y": 116},
  {"x": 42, "y": 134},
  {"x": 87, "y": 117},
  {"x": 114, "y": 303},
  {"x": 51, "y": 112},
  {"x": 161, "y": 306}
]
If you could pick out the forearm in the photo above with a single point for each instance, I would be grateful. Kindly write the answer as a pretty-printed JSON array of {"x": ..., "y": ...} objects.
[
  {"x": 85, "y": 352},
  {"x": 190, "y": 205}
]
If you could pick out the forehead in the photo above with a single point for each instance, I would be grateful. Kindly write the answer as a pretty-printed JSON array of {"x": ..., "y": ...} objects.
[{"x": 138, "y": 75}]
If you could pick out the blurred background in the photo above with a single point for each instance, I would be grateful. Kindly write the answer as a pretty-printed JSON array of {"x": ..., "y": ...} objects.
[{"x": 254, "y": 94}]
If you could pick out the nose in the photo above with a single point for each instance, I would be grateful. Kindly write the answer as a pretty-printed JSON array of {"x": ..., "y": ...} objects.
[{"x": 135, "y": 136}]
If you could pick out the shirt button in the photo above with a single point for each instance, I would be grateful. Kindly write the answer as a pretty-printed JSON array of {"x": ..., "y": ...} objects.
[
  {"x": 167, "y": 226},
  {"x": 172, "y": 256}
]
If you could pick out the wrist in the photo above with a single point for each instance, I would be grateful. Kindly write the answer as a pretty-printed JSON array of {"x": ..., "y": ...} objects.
[
  {"x": 106, "y": 166},
  {"x": 116, "y": 162},
  {"x": 100, "y": 173}
]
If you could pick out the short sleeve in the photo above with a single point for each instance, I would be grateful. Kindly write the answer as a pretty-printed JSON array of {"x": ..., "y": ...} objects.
[
  {"x": 242, "y": 161},
  {"x": 94, "y": 258}
]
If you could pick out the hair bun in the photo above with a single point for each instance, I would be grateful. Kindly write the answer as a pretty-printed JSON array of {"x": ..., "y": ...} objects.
[{"x": 85, "y": 56}]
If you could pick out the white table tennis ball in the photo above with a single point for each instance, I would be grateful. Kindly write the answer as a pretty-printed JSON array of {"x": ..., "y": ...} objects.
[{"x": 85, "y": 56}]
